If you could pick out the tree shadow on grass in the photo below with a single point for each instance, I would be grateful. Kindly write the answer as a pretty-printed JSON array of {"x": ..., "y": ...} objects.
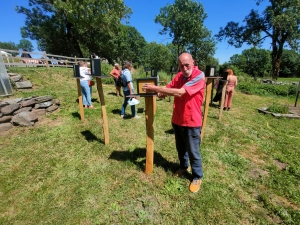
[
  {"x": 138, "y": 157},
  {"x": 89, "y": 136}
]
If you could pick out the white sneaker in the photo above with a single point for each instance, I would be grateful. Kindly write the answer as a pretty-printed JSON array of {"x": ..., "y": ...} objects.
[
  {"x": 133, "y": 101},
  {"x": 137, "y": 117}
]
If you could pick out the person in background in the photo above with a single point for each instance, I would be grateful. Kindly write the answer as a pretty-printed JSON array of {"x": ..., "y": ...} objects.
[
  {"x": 116, "y": 71},
  {"x": 128, "y": 90},
  {"x": 54, "y": 61},
  {"x": 231, "y": 84},
  {"x": 86, "y": 90},
  {"x": 187, "y": 87}
]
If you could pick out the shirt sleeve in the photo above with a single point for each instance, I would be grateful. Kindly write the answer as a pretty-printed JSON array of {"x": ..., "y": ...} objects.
[{"x": 195, "y": 85}]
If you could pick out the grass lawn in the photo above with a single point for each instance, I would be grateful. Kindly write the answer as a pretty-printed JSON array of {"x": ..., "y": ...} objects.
[{"x": 60, "y": 172}]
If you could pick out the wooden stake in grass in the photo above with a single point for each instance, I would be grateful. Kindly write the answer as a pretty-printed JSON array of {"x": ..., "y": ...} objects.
[
  {"x": 77, "y": 77},
  {"x": 81, "y": 110},
  {"x": 207, "y": 101},
  {"x": 103, "y": 109},
  {"x": 222, "y": 99},
  {"x": 149, "y": 102}
]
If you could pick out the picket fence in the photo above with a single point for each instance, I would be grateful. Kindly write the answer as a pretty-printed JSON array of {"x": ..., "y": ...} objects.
[{"x": 20, "y": 58}]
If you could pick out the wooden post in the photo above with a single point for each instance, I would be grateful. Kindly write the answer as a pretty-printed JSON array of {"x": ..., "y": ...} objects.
[
  {"x": 104, "y": 115},
  {"x": 212, "y": 91},
  {"x": 81, "y": 110},
  {"x": 222, "y": 99},
  {"x": 45, "y": 56},
  {"x": 154, "y": 104},
  {"x": 149, "y": 134},
  {"x": 207, "y": 100}
]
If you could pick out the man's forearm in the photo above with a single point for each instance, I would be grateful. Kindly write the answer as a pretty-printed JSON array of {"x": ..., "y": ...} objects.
[{"x": 170, "y": 91}]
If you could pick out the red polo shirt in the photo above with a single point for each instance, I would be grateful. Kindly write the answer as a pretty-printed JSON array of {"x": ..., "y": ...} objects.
[{"x": 187, "y": 108}]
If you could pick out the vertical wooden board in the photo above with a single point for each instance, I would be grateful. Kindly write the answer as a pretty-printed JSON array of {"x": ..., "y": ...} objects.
[
  {"x": 81, "y": 110},
  {"x": 207, "y": 100},
  {"x": 103, "y": 109},
  {"x": 105, "y": 125},
  {"x": 149, "y": 134},
  {"x": 222, "y": 100}
]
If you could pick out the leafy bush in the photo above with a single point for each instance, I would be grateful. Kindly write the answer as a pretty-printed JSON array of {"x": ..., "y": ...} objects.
[
  {"x": 249, "y": 86},
  {"x": 105, "y": 69},
  {"x": 277, "y": 108}
]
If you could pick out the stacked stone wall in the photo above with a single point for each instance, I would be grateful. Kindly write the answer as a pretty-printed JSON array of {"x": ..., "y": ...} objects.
[{"x": 25, "y": 111}]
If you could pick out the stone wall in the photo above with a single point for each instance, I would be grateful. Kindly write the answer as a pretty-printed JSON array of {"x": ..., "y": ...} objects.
[{"x": 25, "y": 111}]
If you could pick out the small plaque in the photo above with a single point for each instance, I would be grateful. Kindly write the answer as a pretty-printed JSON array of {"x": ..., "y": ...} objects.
[
  {"x": 210, "y": 71},
  {"x": 141, "y": 82}
]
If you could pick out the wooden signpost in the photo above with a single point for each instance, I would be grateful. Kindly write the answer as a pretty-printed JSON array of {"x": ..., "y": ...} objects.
[
  {"x": 77, "y": 77},
  {"x": 96, "y": 72},
  {"x": 210, "y": 76},
  {"x": 150, "y": 108},
  {"x": 149, "y": 115},
  {"x": 222, "y": 99}
]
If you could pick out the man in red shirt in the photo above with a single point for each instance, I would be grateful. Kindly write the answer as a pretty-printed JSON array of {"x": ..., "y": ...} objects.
[{"x": 187, "y": 87}]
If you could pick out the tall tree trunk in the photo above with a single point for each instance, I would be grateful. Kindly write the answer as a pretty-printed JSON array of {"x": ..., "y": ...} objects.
[{"x": 72, "y": 41}]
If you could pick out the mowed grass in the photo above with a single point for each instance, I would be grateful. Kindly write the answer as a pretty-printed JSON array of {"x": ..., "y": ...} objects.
[{"x": 60, "y": 171}]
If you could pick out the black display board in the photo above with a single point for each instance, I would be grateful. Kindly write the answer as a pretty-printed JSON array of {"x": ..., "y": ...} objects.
[
  {"x": 210, "y": 71},
  {"x": 96, "y": 67},
  {"x": 153, "y": 73},
  {"x": 76, "y": 71}
]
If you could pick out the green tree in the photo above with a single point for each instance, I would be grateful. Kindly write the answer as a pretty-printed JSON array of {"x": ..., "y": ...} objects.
[
  {"x": 174, "y": 57},
  {"x": 127, "y": 44},
  {"x": 26, "y": 44},
  {"x": 157, "y": 56},
  {"x": 290, "y": 64},
  {"x": 280, "y": 22},
  {"x": 8, "y": 45},
  {"x": 71, "y": 27},
  {"x": 183, "y": 22},
  {"x": 255, "y": 62}
]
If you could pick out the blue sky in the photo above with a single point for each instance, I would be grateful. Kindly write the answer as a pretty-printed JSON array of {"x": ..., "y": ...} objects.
[{"x": 219, "y": 12}]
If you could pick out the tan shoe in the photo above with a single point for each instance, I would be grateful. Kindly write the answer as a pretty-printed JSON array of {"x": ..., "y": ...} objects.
[
  {"x": 180, "y": 171},
  {"x": 195, "y": 185}
]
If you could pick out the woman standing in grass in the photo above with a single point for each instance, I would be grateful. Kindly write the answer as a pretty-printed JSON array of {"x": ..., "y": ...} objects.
[
  {"x": 128, "y": 90},
  {"x": 116, "y": 71},
  {"x": 86, "y": 90},
  {"x": 231, "y": 84}
]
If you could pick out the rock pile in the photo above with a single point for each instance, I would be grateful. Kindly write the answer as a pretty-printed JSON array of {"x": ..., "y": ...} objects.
[
  {"x": 18, "y": 80},
  {"x": 25, "y": 111}
]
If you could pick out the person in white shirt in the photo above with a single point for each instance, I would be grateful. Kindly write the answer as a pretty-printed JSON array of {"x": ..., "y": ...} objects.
[{"x": 86, "y": 90}]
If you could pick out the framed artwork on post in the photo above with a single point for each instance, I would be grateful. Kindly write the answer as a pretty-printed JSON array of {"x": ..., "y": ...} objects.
[
  {"x": 141, "y": 82},
  {"x": 210, "y": 71}
]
